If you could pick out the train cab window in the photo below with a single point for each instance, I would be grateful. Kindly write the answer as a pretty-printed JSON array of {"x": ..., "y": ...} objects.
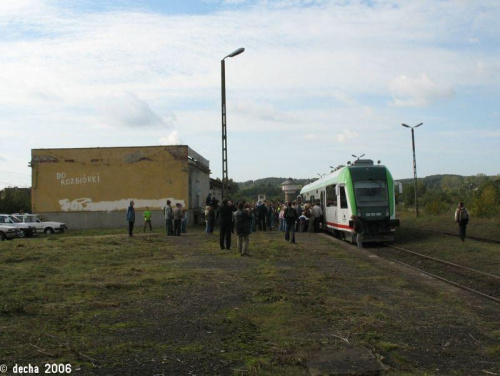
[
  {"x": 343, "y": 198},
  {"x": 370, "y": 193},
  {"x": 331, "y": 197}
]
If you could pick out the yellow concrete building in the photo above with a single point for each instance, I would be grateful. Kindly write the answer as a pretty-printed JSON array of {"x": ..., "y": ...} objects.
[{"x": 92, "y": 187}]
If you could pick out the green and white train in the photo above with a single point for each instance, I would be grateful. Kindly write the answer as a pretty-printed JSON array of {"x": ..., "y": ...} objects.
[{"x": 360, "y": 189}]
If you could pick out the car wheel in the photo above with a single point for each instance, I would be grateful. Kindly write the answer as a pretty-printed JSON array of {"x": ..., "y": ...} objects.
[
  {"x": 49, "y": 230},
  {"x": 2, "y": 236}
]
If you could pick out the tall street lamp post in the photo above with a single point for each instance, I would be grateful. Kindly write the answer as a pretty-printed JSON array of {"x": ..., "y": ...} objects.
[
  {"x": 414, "y": 163},
  {"x": 225, "y": 178}
]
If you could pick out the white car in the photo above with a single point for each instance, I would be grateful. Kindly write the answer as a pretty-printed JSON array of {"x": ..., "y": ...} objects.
[
  {"x": 26, "y": 229},
  {"x": 41, "y": 226},
  {"x": 9, "y": 231}
]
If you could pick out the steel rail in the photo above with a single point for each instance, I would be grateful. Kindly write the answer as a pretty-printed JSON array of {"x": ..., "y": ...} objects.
[
  {"x": 453, "y": 234},
  {"x": 442, "y": 261},
  {"x": 447, "y": 281},
  {"x": 496, "y": 300}
]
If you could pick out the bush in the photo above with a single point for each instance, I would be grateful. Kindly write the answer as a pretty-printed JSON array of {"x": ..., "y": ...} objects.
[{"x": 485, "y": 202}]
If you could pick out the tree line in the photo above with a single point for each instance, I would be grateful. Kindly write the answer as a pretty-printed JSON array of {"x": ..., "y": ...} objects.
[
  {"x": 12, "y": 200},
  {"x": 441, "y": 194},
  {"x": 437, "y": 194}
]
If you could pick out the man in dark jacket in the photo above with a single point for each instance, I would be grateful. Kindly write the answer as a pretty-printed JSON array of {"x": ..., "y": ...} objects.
[
  {"x": 261, "y": 216},
  {"x": 462, "y": 218},
  {"x": 131, "y": 218},
  {"x": 243, "y": 224},
  {"x": 290, "y": 219},
  {"x": 226, "y": 223},
  {"x": 358, "y": 230}
]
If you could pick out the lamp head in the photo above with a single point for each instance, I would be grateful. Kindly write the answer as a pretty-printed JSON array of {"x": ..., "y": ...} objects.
[{"x": 237, "y": 52}]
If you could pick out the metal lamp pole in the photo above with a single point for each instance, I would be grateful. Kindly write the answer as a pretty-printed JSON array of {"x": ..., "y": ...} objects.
[
  {"x": 414, "y": 163},
  {"x": 224, "y": 129}
]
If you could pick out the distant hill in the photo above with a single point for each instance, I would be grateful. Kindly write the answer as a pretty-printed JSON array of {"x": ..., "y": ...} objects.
[
  {"x": 274, "y": 182},
  {"x": 431, "y": 181},
  {"x": 446, "y": 180},
  {"x": 271, "y": 187}
]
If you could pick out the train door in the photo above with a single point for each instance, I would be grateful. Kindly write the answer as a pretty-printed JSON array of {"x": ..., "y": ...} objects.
[
  {"x": 323, "y": 209},
  {"x": 343, "y": 211},
  {"x": 330, "y": 212}
]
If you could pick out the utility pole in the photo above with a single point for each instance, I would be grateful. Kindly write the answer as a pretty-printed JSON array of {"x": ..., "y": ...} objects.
[
  {"x": 225, "y": 178},
  {"x": 414, "y": 163}
]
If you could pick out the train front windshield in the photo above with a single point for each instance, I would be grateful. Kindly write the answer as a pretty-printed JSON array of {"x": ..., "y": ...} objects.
[{"x": 371, "y": 193}]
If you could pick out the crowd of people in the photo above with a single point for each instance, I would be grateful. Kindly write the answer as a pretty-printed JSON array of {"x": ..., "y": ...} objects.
[
  {"x": 175, "y": 219},
  {"x": 245, "y": 218},
  {"x": 240, "y": 218}
]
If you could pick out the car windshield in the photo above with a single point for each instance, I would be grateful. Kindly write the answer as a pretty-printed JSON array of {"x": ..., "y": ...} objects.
[{"x": 370, "y": 193}]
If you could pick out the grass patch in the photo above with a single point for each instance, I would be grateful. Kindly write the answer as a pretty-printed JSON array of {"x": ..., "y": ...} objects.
[
  {"x": 480, "y": 227},
  {"x": 493, "y": 350},
  {"x": 107, "y": 303},
  {"x": 387, "y": 346}
]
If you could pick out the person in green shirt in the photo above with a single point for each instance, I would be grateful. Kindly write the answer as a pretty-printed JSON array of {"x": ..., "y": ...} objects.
[{"x": 147, "y": 219}]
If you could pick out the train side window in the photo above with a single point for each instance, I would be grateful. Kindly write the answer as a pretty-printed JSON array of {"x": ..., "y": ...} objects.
[
  {"x": 331, "y": 197},
  {"x": 343, "y": 198}
]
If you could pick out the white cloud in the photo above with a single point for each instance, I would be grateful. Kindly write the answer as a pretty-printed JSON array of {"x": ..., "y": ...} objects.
[
  {"x": 235, "y": 2},
  {"x": 130, "y": 111},
  {"x": 311, "y": 136},
  {"x": 347, "y": 135},
  {"x": 12, "y": 11},
  {"x": 418, "y": 92},
  {"x": 171, "y": 139},
  {"x": 342, "y": 71}
]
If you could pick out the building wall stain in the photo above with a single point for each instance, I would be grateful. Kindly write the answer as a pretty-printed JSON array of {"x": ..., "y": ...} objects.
[{"x": 107, "y": 179}]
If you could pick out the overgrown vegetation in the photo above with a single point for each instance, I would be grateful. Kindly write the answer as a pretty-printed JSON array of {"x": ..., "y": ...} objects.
[
  {"x": 12, "y": 200},
  {"x": 108, "y": 304},
  {"x": 440, "y": 194}
]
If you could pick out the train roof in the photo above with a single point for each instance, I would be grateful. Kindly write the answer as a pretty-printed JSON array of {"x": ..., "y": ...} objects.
[{"x": 333, "y": 177}]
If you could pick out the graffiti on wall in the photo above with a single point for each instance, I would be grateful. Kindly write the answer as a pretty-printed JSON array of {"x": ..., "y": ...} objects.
[
  {"x": 86, "y": 204},
  {"x": 82, "y": 179}
]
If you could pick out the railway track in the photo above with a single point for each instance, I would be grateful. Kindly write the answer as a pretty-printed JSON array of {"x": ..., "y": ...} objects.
[
  {"x": 481, "y": 283},
  {"x": 494, "y": 241}
]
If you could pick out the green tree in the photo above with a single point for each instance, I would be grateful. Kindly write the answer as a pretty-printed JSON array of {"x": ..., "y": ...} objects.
[
  {"x": 486, "y": 200},
  {"x": 12, "y": 200},
  {"x": 436, "y": 202},
  {"x": 408, "y": 195}
]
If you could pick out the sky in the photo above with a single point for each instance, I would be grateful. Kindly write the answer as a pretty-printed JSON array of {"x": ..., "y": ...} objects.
[{"x": 319, "y": 82}]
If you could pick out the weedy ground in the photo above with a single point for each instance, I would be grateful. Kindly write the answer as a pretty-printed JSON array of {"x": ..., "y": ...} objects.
[
  {"x": 488, "y": 228},
  {"x": 112, "y": 305}
]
